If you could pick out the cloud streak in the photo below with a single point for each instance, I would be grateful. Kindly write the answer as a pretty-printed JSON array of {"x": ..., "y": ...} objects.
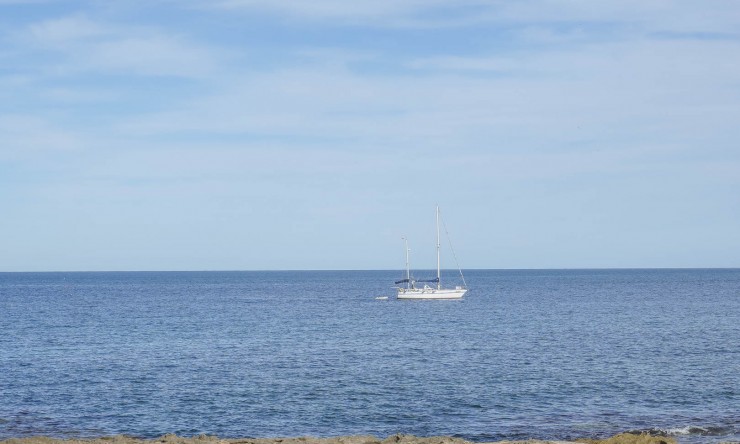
[
  {"x": 711, "y": 16},
  {"x": 82, "y": 45}
]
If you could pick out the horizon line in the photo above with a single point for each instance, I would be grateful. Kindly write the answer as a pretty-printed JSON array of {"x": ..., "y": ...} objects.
[{"x": 367, "y": 269}]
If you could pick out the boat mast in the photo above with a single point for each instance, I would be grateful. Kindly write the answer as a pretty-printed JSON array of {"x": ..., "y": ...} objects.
[
  {"x": 408, "y": 271},
  {"x": 439, "y": 283}
]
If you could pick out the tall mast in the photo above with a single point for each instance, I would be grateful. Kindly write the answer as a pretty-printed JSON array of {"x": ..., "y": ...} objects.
[
  {"x": 408, "y": 271},
  {"x": 439, "y": 283}
]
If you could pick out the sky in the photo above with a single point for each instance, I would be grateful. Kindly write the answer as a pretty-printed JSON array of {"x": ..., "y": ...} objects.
[{"x": 285, "y": 134}]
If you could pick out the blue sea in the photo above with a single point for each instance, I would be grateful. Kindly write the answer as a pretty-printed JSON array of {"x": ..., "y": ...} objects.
[{"x": 552, "y": 354}]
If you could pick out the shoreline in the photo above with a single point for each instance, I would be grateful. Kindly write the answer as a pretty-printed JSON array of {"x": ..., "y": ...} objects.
[{"x": 622, "y": 438}]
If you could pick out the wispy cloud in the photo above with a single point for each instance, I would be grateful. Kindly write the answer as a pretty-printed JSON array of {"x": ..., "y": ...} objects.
[
  {"x": 153, "y": 55},
  {"x": 337, "y": 9},
  {"x": 27, "y": 138},
  {"x": 23, "y": 2},
  {"x": 66, "y": 30},
  {"x": 89, "y": 45},
  {"x": 709, "y": 16}
]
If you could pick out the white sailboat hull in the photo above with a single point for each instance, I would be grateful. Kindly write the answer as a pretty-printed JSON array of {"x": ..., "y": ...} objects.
[{"x": 431, "y": 293}]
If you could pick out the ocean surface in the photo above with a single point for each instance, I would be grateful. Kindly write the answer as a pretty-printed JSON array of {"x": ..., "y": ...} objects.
[{"x": 553, "y": 354}]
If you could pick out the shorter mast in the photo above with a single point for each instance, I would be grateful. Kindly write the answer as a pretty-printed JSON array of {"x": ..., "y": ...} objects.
[{"x": 439, "y": 283}]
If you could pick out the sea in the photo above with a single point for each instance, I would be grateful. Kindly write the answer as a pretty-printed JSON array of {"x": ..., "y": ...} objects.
[{"x": 548, "y": 354}]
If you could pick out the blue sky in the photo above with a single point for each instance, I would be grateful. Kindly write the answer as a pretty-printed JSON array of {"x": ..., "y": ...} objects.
[{"x": 255, "y": 134}]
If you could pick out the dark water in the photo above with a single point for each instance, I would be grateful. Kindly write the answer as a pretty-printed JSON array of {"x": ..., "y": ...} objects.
[{"x": 542, "y": 354}]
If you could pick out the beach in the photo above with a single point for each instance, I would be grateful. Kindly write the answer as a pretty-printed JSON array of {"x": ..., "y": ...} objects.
[{"x": 623, "y": 438}]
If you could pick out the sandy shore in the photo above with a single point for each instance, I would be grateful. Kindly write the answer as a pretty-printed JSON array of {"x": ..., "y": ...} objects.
[{"x": 624, "y": 438}]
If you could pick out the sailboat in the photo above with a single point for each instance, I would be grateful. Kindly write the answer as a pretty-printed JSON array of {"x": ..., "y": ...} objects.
[{"x": 412, "y": 291}]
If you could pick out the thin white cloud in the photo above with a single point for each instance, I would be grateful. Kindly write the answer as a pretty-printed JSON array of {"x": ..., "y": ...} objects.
[
  {"x": 333, "y": 9},
  {"x": 63, "y": 31},
  {"x": 683, "y": 15},
  {"x": 26, "y": 137},
  {"x": 24, "y": 2},
  {"x": 458, "y": 63},
  {"x": 79, "y": 95},
  {"x": 152, "y": 55},
  {"x": 658, "y": 80},
  {"x": 97, "y": 46}
]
